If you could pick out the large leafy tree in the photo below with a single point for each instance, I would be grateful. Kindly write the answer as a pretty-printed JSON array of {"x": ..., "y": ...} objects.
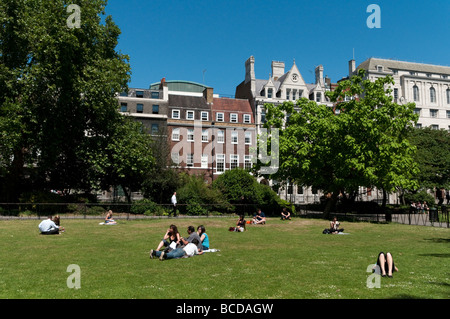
[
  {"x": 57, "y": 93},
  {"x": 433, "y": 157},
  {"x": 362, "y": 142}
]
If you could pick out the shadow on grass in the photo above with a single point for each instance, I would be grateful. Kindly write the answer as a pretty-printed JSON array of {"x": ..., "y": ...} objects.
[{"x": 439, "y": 240}]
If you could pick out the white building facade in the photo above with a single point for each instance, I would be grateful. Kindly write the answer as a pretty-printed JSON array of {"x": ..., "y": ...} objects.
[{"x": 426, "y": 85}]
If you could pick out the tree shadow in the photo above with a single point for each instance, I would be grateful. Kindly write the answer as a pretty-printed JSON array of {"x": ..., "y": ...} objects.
[{"x": 439, "y": 240}]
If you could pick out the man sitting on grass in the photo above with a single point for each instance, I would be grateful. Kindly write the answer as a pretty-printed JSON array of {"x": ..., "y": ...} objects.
[
  {"x": 49, "y": 227},
  {"x": 259, "y": 218}
]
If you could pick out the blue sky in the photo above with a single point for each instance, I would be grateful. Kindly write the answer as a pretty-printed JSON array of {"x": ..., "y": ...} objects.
[{"x": 180, "y": 39}]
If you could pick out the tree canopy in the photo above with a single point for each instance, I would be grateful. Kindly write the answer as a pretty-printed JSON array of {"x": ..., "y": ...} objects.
[
  {"x": 361, "y": 142},
  {"x": 58, "y": 106}
]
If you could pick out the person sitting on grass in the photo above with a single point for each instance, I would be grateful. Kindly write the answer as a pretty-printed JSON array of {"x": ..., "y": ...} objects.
[
  {"x": 171, "y": 235},
  {"x": 285, "y": 214},
  {"x": 108, "y": 219},
  {"x": 188, "y": 250},
  {"x": 385, "y": 265},
  {"x": 49, "y": 227},
  {"x": 259, "y": 218},
  {"x": 334, "y": 226},
  {"x": 201, "y": 231}
]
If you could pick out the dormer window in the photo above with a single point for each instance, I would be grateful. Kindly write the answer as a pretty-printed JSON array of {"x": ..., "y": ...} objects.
[{"x": 379, "y": 68}]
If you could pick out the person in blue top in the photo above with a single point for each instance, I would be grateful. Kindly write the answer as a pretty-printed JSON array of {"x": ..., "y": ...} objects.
[
  {"x": 259, "y": 218},
  {"x": 203, "y": 237}
]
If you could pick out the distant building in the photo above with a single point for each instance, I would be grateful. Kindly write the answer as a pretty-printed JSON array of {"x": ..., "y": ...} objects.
[
  {"x": 283, "y": 86},
  {"x": 426, "y": 85},
  {"x": 206, "y": 134}
]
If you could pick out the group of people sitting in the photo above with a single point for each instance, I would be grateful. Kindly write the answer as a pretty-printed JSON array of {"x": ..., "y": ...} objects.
[
  {"x": 419, "y": 208},
  {"x": 176, "y": 246}
]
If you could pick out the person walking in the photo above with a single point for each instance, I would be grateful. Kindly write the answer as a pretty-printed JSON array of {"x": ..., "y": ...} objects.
[{"x": 174, "y": 204}]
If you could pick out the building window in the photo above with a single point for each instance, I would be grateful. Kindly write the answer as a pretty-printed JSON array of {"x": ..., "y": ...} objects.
[
  {"x": 176, "y": 134},
  {"x": 432, "y": 95},
  {"x": 234, "y": 137},
  {"x": 394, "y": 71},
  {"x": 233, "y": 118},
  {"x": 294, "y": 94},
  {"x": 434, "y": 113},
  {"x": 176, "y": 114},
  {"x": 123, "y": 107},
  {"x": 140, "y": 94},
  {"x": 263, "y": 117},
  {"x": 248, "y": 138},
  {"x": 247, "y": 118},
  {"x": 418, "y": 125},
  {"x": 140, "y": 108},
  {"x": 269, "y": 93},
  {"x": 416, "y": 93},
  {"x": 288, "y": 93},
  {"x": 189, "y": 159},
  {"x": 155, "y": 109},
  {"x": 189, "y": 115},
  {"x": 155, "y": 95},
  {"x": 204, "y": 116},
  {"x": 448, "y": 96},
  {"x": 248, "y": 162},
  {"x": 395, "y": 93},
  {"x": 190, "y": 135},
  {"x": 435, "y": 127},
  {"x": 318, "y": 97},
  {"x": 204, "y": 135},
  {"x": 155, "y": 129},
  {"x": 219, "y": 117},
  {"x": 234, "y": 161},
  {"x": 220, "y": 136},
  {"x": 299, "y": 190},
  {"x": 417, "y": 111},
  {"x": 220, "y": 163},
  {"x": 448, "y": 114},
  {"x": 204, "y": 162},
  {"x": 379, "y": 68}
]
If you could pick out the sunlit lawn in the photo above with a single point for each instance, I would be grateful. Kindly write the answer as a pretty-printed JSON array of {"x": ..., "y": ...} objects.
[{"x": 280, "y": 260}]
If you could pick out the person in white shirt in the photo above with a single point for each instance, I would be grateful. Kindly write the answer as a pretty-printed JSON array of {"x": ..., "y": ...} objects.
[
  {"x": 174, "y": 203},
  {"x": 48, "y": 227},
  {"x": 189, "y": 250}
]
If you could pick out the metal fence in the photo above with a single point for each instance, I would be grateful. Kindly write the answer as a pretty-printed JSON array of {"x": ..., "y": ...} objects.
[{"x": 437, "y": 217}]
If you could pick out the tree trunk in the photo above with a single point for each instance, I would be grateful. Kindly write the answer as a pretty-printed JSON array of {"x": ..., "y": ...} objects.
[
  {"x": 387, "y": 214},
  {"x": 330, "y": 204}
]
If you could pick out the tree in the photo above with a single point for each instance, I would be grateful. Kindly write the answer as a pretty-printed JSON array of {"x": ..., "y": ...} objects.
[
  {"x": 365, "y": 144},
  {"x": 125, "y": 158},
  {"x": 60, "y": 83},
  {"x": 433, "y": 157},
  {"x": 242, "y": 190}
]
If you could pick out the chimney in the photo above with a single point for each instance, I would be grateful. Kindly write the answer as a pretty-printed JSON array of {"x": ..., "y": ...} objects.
[
  {"x": 351, "y": 67},
  {"x": 208, "y": 95},
  {"x": 277, "y": 69},
  {"x": 319, "y": 75},
  {"x": 250, "y": 69}
]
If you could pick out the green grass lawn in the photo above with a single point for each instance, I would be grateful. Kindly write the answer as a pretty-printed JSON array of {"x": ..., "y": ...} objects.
[{"x": 280, "y": 260}]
